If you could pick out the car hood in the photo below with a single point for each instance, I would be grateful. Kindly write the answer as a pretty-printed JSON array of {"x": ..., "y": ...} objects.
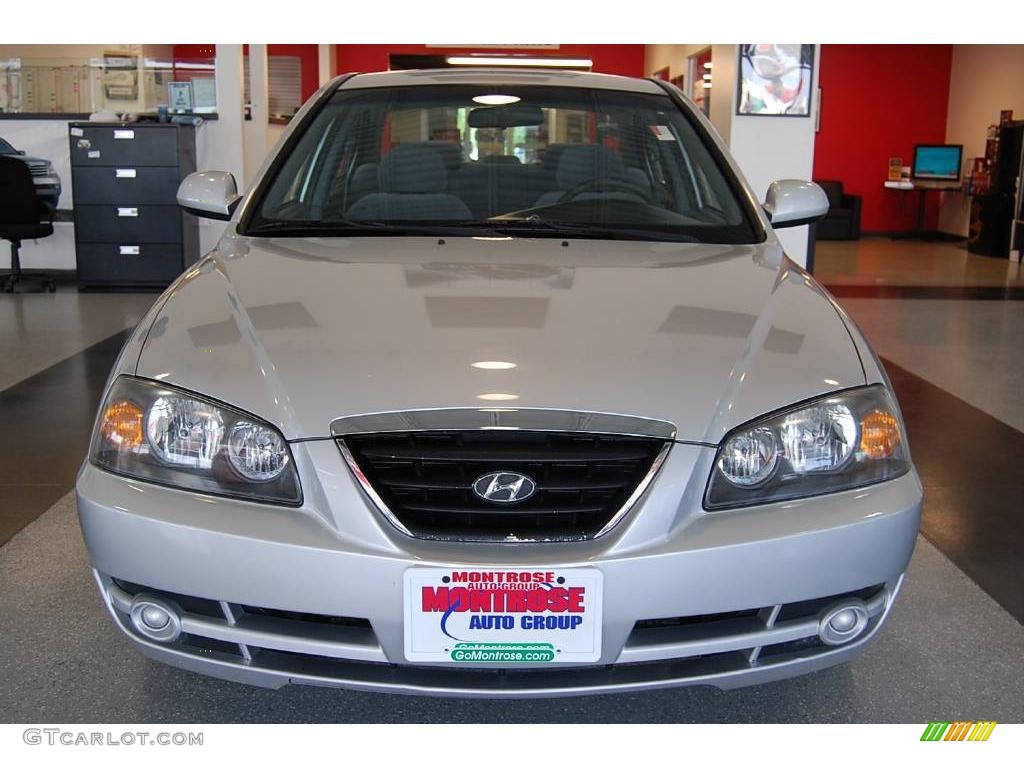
[{"x": 302, "y": 331}]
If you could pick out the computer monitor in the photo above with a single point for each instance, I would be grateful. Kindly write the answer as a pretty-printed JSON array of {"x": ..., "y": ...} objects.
[{"x": 937, "y": 162}]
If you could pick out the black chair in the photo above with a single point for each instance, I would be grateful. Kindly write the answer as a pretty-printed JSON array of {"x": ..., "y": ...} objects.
[
  {"x": 23, "y": 216},
  {"x": 842, "y": 222}
]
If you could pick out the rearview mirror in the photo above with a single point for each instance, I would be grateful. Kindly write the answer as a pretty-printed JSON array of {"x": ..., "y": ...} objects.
[
  {"x": 509, "y": 116},
  {"x": 792, "y": 202},
  {"x": 209, "y": 194}
]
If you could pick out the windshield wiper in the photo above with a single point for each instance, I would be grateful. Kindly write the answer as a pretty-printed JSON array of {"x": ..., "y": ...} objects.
[
  {"x": 534, "y": 224},
  {"x": 308, "y": 228}
]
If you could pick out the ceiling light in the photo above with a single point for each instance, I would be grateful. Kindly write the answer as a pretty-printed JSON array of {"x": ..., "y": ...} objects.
[
  {"x": 493, "y": 365},
  {"x": 495, "y": 99},
  {"x": 707, "y": 65},
  {"x": 707, "y": 75},
  {"x": 707, "y": 84},
  {"x": 515, "y": 61},
  {"x": 497, "y": 396}
]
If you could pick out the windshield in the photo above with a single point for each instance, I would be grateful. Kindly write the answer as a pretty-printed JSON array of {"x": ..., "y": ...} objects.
[
  {"x": 542, "y": 161},
  {"x": 6, "y": 149}
]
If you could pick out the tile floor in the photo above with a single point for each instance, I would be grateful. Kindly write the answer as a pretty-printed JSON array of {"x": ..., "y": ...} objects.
[{"x": 883, "y": 261}]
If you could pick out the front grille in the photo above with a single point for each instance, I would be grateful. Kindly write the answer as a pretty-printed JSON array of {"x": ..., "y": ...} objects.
[
  {"x": 582, "y": 480},
  {"x": 37, "y": 169}
]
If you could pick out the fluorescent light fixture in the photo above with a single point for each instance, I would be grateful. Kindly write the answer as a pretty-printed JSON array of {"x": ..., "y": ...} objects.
[
  {"x": 515, "y": 61},
  {"x": 707, "y": 84},
  {"x": 495, "y": 99},
  {"x": 494, "y": 365},
  {"x": 707, "y": 65},
  {"x": 497, "y": 396},
  {"x": 707, "y": 75}
]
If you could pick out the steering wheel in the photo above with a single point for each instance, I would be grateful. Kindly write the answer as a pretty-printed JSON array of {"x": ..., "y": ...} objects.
[{"x": 605, "y": 183}]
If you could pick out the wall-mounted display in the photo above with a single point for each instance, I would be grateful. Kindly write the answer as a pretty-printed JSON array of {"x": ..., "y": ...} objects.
[{"x": 775, "y": 79}]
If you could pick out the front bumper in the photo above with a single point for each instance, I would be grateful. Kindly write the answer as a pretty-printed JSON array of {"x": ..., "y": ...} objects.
[
  {"x": 697, "y": 604},
  {"x": 47, "y": 187}
]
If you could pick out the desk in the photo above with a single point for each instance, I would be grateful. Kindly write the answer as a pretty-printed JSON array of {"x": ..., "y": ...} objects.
[{"x": 922, "y": 188}]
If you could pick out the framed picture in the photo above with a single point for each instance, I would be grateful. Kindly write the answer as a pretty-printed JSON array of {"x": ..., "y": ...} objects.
[
  {"x": 179, "y": 96},
  {"x": 775, "y": 79}
]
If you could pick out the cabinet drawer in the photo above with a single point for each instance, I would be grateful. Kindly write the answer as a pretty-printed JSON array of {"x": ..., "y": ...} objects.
[
  {"x": 128, "y": 263},
  {"x": 130, "y": 145},
  {"x": 127, "y": 224},
  {"x": 127, "y": 185}
]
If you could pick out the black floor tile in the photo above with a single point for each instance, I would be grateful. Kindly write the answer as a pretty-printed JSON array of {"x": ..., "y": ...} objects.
[
  {"x": 961, "y": 292},
  {"x": 969, "y": 463},
  {"x": 47, "y": 420},
  {"x": 21, "y": 504}
]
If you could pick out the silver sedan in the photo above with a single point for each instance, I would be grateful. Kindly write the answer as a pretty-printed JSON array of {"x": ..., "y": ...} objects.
[{"x": 499, "y": 384}]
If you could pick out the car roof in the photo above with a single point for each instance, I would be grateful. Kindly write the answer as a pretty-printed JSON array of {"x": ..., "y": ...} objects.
[{"x": 500, "y": 76}]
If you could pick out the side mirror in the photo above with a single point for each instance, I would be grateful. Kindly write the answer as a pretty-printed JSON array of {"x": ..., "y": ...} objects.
[
  {"x": 792, "y": 202},
  {"x": 21, "y": 151},
  {"x": 209, "y": 194}
]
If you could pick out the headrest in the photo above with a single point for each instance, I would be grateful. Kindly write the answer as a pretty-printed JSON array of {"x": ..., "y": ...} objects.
[
  {"x": 365, "y": 176},
  {"x": 451, "y": 153},
  {"x": 583, "y": 162},
  {"x": 552, "y": 155},
  {"x": 412, "y": 169}
]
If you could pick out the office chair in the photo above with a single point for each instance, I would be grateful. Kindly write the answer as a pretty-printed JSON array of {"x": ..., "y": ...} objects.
[{"x": 23, "y": 216}]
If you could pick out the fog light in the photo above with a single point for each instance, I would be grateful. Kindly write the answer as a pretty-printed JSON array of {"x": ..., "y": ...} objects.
[
  {"x": 843, "y": 622},
  {"x": 155, "y": 618}
]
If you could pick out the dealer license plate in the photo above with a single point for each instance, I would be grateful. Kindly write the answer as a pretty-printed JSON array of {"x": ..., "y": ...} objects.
[{"x": 503, "y": 616}]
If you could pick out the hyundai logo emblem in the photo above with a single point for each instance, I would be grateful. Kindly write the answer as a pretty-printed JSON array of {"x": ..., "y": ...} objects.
[{"x": 504, "y": 487}]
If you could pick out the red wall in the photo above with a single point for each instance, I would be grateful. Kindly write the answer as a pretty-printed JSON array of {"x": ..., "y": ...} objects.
[
  {"x": 878, "y": 101},
  {"x": 310, "y": 64},
  {"x": 611, "y": 59}
]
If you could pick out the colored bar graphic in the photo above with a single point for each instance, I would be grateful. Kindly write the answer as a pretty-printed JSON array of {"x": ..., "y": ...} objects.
[
  {"x": 982, "y": 731},
  {"x": 960, "y": 730}
]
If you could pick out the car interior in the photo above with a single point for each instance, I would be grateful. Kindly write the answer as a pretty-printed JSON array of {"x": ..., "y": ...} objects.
[{"x": 383, "y": 160}]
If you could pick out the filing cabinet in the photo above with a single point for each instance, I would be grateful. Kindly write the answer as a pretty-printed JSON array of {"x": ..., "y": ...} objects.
[{"x": 129, "y": 230}]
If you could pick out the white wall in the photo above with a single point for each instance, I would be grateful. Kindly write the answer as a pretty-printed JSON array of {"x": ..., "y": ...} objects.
[
  {"x": 766, "y": 148},
  {"x": 984, "y": 79}
]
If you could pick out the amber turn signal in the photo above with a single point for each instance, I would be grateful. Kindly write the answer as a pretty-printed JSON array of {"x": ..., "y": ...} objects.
[
  {"x": 879, "y": 434},
  {"x": 122, "y": 424}
]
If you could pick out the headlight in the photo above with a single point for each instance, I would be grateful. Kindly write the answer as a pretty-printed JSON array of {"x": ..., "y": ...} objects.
[
  {"x": 164, "y": 435},
  {"x": 838, "y": 442}
]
